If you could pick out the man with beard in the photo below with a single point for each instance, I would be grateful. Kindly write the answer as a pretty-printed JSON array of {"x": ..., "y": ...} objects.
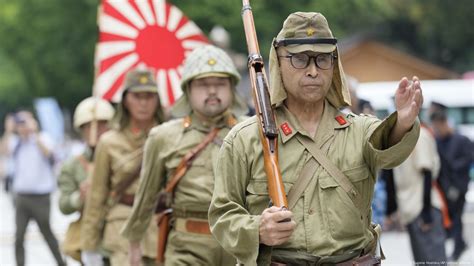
[{"x": 209, "y": 104}]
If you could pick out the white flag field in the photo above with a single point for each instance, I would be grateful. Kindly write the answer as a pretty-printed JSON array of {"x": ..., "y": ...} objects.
[{"x": 143, "y": 33}]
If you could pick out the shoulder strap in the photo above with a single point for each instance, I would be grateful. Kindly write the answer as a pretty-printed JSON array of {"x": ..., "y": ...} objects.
[
  {"x": 302, "y": 183},
  {"x": 127, "y": 158},
  {"x": 333, "y": 171},
  {"x": 187, "y": 160},
  {"x": 126, "y": 182},
  {"x": 121, "y": 186}
]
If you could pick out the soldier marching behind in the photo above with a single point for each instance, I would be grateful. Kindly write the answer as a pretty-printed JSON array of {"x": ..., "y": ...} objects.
[
  {"x": 74, "y": 179},
  {"x": 179, "y": 160},
  {"x": 114, "y": 180}
]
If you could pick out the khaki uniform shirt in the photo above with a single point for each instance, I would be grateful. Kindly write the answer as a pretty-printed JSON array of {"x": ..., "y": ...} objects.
[
  {"x": 118, "y": 155},
  {"x": 167, "y": 144},
  {"x": 327, "y": 221},
  {"x": 73, "y": 172}
]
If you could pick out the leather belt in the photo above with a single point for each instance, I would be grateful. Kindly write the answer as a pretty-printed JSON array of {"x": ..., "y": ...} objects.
[
  {"x": 365, "y": 260},
  {"x": 197, "y": 226},
  {"x": 127, "y": 199},
  {"x": 290, "y": 257}
]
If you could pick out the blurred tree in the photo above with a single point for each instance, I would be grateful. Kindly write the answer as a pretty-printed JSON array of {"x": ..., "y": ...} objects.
[{"x": 47, "y": 47}]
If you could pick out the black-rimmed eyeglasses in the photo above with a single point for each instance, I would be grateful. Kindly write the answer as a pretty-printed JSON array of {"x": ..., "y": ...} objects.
[{"x": 302, "y": 60}]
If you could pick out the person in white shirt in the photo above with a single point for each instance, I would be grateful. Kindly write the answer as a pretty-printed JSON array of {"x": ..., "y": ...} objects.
[
  {"x": 419, "y": 204},
  {"x": 33, "y": 181}
]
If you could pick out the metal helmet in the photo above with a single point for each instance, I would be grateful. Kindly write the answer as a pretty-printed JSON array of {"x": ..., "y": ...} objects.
[
  {"x": 90, "y": 109},
  {"x": 207, "y": 61}
]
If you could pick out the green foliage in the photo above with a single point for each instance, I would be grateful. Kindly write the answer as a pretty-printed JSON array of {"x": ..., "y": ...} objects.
[{"x": 47, "y": 46}]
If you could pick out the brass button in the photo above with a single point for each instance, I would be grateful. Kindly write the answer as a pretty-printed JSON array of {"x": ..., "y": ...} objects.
[{"x": 310, "y": 211}]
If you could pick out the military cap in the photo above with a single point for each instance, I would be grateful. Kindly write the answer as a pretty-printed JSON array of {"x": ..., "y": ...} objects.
[
  {"x": 140, "y": 80},
  {"x": 306, "y": 31}
]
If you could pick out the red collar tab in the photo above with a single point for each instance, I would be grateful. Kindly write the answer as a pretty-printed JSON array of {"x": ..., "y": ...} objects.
[
  {"x": 286, "y": 129},
  {"x": 340, "y": 120}
]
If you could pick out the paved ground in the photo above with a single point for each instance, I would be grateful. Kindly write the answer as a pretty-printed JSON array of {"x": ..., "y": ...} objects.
[{"x": 395, "y": 244}]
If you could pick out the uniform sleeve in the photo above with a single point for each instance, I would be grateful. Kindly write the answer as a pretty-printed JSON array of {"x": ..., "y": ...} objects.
[
  {"x": 69, "y": 195},
  {"x": 377, "y": 152},
  {"x": 151, "y": 178},
  {"x": 96, "y": 202},
  {"x": 231, "y": 224}
]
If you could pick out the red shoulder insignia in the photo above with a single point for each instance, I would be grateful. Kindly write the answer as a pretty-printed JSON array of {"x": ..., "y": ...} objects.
[
  {"x": 340, "y": 120},
  {"x": 286, "y": 128}
]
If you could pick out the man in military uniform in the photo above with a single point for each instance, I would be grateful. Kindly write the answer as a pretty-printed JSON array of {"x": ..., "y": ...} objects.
[
  {"x": 209, "y": 102},
  {"x": 114, "y": 181},
  {"x": 330, "y": 220},
  {"x": 73, "y": 183}
]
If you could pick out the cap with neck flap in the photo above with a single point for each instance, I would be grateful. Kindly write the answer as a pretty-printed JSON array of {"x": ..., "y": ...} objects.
[{"x": 307, "y": 31}]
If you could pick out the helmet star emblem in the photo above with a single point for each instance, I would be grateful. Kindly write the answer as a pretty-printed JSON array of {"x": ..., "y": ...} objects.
[
  {"x": 310, "y": 31},
  {"x": 143, "y": 79},
  {"x": 211, "y": 62}
]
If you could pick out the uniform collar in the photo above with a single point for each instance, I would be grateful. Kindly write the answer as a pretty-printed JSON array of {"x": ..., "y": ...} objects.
[
  {"x": 136, "y": 137},
  {"x": 194, "y": 122},
  {"x": 331, "y": 120}
]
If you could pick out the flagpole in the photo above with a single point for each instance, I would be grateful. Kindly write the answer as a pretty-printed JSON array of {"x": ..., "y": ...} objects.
[{"x": 94, "y": 123}]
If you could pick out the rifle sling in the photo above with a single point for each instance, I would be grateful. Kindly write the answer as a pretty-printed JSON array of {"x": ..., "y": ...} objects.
[
  {"x": 302, "y": 183},
  {"x": 308, "y": 171},
  {"x": 126, "y": 182},
  {"x": 187, "y": 160}
]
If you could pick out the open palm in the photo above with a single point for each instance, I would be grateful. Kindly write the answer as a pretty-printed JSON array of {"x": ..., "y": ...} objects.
[{"x": 408, "y": 101}]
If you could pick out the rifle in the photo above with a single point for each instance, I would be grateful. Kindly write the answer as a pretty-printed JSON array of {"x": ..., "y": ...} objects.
[{"x": 268, "y": 131}]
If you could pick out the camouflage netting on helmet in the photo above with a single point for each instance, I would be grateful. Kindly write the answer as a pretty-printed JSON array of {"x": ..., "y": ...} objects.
[{"x": 208, "y": 61}]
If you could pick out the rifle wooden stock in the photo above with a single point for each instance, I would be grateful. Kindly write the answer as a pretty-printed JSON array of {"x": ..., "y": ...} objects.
[
  {"x": 268, "y": 130},
  {"x": 163, "y": 231}
]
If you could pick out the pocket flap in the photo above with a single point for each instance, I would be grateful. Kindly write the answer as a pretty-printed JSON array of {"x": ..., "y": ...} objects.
[
  {"x": 327, "y": 182},
  {"x": 358, "y": 173}
]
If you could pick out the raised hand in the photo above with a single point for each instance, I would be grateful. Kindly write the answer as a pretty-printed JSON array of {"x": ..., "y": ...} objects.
[{"x": 408, "y": 101}]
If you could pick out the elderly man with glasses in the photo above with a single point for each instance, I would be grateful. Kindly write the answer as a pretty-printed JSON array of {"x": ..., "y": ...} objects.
[{"x": 330, "y": 157}]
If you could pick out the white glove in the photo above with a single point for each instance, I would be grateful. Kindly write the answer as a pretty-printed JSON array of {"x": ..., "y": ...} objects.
[{"x": 91, "y": 258}]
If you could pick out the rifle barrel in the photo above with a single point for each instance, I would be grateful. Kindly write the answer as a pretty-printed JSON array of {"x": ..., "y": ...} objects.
[{"x": 268, "y": 131}]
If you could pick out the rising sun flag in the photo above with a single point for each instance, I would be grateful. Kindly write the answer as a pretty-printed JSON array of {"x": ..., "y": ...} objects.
[{"x": 143, "y": 33}]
